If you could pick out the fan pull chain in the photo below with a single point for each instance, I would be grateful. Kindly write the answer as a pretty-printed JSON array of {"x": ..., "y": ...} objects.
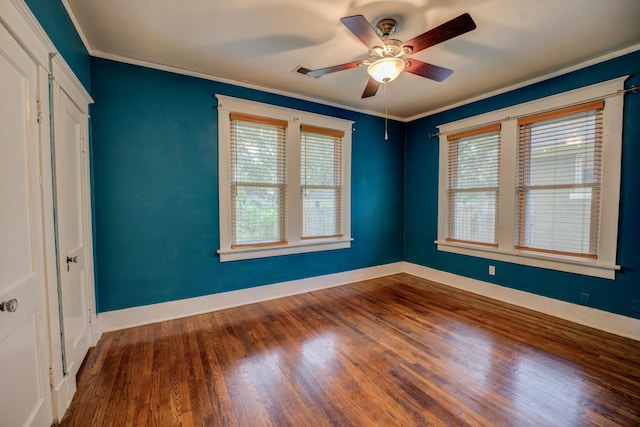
[{"x": 386, "y": 112}]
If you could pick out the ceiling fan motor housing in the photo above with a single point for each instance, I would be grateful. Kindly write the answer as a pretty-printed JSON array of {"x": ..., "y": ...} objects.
[{"x": 392, "y": 49}]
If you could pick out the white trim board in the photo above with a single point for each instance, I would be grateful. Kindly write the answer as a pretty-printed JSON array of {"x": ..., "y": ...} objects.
[
  {"x": 136, "y": 316},
  {"x": 587, "y": 316}
]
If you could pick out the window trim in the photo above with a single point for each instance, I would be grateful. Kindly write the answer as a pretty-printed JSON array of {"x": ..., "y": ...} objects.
[
  {"x": 295, "y": 119},
  {"x": 605, "y": 266}
]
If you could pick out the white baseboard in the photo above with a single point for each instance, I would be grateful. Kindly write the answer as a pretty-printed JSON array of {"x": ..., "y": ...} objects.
[
  {"x": 587, "y": 316},
  {"x": 136, "y": 316}
]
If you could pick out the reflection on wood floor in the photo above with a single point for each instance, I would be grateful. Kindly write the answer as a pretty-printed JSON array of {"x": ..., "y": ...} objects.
[{"x": 398, "y": 350}]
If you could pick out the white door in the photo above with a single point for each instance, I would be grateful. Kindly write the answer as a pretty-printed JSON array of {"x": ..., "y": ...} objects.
[
  {"x": 73, "y": 251},
  {"x": 25, "y": 398}
]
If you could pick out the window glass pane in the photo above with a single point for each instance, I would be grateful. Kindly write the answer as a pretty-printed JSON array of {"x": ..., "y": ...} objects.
[
  {"x": 474, "y": 219},
  {"x": 259, "y": 155},
  {"x": 320, "y": 212},
  {"x": 559, "y": 220},
  {"x": 319, "y": 165},
  {"x": 477, "y": 162},
  {"x": 563, "y": 151},
  {"x": 258, "y": 214}
]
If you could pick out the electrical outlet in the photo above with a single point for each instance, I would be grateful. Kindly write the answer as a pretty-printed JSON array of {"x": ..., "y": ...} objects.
[
  {"x": 584, "y": 298},
  {"x": 492, "y": 270}
]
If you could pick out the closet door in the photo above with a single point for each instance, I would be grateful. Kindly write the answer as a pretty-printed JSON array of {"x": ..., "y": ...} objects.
[
  {"x": 72, "y": 211},
  {"x": 25, "y": 398}
]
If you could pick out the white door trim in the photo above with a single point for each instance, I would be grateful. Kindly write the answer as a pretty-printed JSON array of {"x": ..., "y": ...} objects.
[{"x": 19, "y": 19}]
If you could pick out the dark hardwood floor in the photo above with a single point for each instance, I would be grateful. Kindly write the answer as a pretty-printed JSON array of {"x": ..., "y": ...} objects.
[{"x": 392, "y": 351}]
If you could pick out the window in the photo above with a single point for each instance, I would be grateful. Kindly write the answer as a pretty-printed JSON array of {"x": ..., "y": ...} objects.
[
  {"x": 537, "y": 183},
  {"x": 559, "y": 174},
  {"x": 472, "y": 195},
  {"x": 284, "y": 180},
  {"x": 258, "y": 180},
  {"x": 321, "y": 182}
]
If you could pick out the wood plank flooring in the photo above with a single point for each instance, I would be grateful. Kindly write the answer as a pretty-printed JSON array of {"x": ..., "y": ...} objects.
[{"x": 395, "y": 351}]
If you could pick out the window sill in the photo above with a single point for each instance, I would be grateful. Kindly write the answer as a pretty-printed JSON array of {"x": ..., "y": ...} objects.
[
  {"x": 559, "y": 263},
  {"x": 289, "y": 249}
]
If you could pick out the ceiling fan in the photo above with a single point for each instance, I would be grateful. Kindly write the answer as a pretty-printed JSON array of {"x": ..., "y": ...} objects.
[{"x": 386, "y": 56}]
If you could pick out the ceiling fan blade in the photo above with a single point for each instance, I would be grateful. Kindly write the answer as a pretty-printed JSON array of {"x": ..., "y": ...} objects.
[
  {"x": 429, "y": 71},
  {"x": 322, "y": 71},
  {"x": 359, "y": 26},
  {"x": 371, "y": 88},
  {"x": 446, "y": 31}
]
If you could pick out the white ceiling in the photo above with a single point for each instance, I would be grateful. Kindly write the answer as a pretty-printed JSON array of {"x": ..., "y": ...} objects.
[{"x": 262, "y": 42}]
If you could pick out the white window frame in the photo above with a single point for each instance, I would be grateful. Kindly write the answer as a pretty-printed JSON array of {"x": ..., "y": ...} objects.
[
  {"x": 605, "y": 264},
  {"x": 295, "y": 118}
]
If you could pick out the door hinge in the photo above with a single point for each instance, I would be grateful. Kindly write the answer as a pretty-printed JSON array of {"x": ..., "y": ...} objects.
[
  {"x": 90, "y": 316},
  {"x": 51, "y": 379},
  {"x": 39, "y": 110}
]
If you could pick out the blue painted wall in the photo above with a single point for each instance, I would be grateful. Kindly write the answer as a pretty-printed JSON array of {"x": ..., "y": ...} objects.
[
  {"x": 155, "y": 158},
  {"x": 421, "y": 195},
  {"x": 154, "y": 142},
  {"x": 56, "y": 22}
]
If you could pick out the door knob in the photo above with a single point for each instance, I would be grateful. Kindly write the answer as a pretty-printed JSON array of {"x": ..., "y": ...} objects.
[{"x": 9, "y": 306}]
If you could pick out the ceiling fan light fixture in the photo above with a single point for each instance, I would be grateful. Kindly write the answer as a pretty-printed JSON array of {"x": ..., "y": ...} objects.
[{"x": 385, "y": 70}]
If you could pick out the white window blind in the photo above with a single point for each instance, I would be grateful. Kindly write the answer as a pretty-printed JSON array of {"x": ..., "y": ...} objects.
[
  {"x": 258, "y": 180},
  {"x": 559, "y": 181},
  {"x": 321, "y": 182},
  {"x": 473, "y": 185}
]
